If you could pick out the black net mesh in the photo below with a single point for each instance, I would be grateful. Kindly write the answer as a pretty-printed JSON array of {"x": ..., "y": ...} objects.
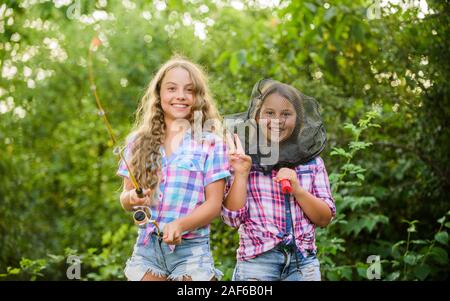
[{"x": 307, "y": 140}]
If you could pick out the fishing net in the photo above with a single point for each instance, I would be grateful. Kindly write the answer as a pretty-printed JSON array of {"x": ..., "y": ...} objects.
[{"x": 306, "y": 141}]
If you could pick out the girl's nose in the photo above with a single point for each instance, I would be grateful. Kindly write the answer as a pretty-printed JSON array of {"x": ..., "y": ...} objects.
[
  {"x": 276, "y": 121},
  {"x": 180, "y": 94}
]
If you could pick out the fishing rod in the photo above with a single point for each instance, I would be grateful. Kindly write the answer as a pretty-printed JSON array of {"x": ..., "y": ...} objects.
[
  {"x": 142, "y": 214},
  {"x": 286, "y": 189}
]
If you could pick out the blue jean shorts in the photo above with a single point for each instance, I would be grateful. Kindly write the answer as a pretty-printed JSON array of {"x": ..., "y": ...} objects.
[
  {"x": 192, "y": 258},
  {"x": 279, "y": 264}
]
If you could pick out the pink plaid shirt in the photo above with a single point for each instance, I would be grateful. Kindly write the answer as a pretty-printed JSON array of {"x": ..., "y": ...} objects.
[{"x": 262, "y": 221}]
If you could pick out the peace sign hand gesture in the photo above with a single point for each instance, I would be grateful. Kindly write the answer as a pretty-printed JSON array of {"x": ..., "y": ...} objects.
[{"x": 239, "y": 161}]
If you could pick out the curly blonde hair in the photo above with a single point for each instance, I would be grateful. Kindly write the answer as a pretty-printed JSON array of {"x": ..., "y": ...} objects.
[{"x": 149, "y": 130}]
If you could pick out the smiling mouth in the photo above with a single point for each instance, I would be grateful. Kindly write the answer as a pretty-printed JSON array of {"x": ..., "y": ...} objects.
[
  {"x": 276, "y": 130},
  {"x": 179, "y": 106}
]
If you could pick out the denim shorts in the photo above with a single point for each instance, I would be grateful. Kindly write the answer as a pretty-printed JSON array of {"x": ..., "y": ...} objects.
[
  {"x": 279, "y": 264},
  {"x": 191, "y": 258}
]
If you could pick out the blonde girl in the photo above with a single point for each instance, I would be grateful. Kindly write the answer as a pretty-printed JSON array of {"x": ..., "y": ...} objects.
[{"x": 182, "y": 169}]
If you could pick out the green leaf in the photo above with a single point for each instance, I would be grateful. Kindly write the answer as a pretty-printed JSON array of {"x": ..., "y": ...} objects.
[
  {"x": 337, "y": 151},
  {"x": 13, "y": 271},
  {"x": 56, "y": 258},
  {"x": 361, "y": 269},
  {"x": 395, "y": 249},
  {"x": 333, "y": 276},
  {"x": 410, "y": 259},
  {"x": 106, "y": 238},
  {"x": 346, "y": 273},
  {"x": 393, "y": 276},
  {"x": 442, "y": 237},
  {"x": 447, "y": 224},
  {"x": 419, "y": 242},
  {"x": 92, "y": 251},
  {"x": 329, "y": 14},
  {"x": 350, "y": 126},
  {"x": 238, "y": 59},
  {"x": 422, "y": 271},
  {"x": 353, "y": 168},
  {"x": 357, "y": 31},
  {"x": 222, "y": 58},
  {"x": 234, "y": 64},
  {"x": 439, "y": 255},
  {"x": 310, "y": 6},
  {"x": 316, "y": 58},
  {"x": 357, "y": 145},
  {"x": 441, "y": 220}
]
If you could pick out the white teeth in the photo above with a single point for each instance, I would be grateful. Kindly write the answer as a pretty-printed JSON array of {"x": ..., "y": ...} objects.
[{"x": 179, "y": 106}]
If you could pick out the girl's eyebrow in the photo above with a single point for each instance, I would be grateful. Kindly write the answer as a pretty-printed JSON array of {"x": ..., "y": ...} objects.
[
  {"x": 284, "y": 110},
  {"x": 173, "y": 83}
]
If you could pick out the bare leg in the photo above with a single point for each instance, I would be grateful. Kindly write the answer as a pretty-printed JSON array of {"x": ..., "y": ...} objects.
[{"x": 150, "y": 277}]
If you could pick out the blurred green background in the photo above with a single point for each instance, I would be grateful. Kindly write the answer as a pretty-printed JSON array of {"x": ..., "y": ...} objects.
[{"x": 379, "y": 70}]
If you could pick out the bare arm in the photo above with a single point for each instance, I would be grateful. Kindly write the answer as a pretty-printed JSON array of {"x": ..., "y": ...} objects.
[
  {"x": 237, "y": 194},
  {"x": 199, "y": 217},
  {"x": 314, "y": 208},
  {"x": 205, "y": 213}
]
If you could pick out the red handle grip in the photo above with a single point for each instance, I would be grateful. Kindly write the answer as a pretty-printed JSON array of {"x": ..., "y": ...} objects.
[{"x": 286, "y": 186}]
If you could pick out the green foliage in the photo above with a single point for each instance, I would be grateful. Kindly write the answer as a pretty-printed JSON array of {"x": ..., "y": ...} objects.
[
  {"x": 58, "y": 189},
  {"x": 356, "y": 214},
  {"x": 420, "y": 259}
]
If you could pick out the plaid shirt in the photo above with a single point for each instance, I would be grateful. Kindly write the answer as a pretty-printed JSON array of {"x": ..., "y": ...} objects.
[
  {"x": 262, "y": 221},
  {"x": 185, "y": 174}
]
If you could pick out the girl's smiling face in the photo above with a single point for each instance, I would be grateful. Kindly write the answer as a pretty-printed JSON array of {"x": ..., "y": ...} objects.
[
  {"x": 177, "y": 94},
  {"x": 277, "y": 118}
]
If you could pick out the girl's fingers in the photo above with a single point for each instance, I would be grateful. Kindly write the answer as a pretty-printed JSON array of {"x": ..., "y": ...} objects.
[
  {"x": 234, "y": 157},
  {"x": 230, "y": 142},
  {"x": 170, "y": 236},
  {"x": 240, "y": 149}
]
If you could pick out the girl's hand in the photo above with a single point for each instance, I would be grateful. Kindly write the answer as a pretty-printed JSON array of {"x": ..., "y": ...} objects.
[
  {"x": 172, "y": 233},
  {"x": 134, "y": 200},
  {"x": 289, "y": 174},
  {"x": 239, "y": 161}
]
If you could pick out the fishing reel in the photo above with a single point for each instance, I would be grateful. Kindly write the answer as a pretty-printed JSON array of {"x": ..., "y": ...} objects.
[{"x": 141, "y": 215}]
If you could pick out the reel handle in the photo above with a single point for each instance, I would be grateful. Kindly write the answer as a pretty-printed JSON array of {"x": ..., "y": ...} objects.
[{"x": 140, "y": 192}]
